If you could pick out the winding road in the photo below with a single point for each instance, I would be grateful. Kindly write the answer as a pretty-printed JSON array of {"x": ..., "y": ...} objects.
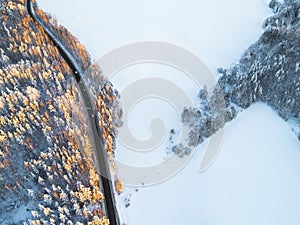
[{"x": 105, "y": 175}]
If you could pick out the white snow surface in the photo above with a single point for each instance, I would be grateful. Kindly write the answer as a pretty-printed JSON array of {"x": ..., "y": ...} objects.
[
  {"x": 217, "y": 31},
  {"x": 254, "y": 180}
]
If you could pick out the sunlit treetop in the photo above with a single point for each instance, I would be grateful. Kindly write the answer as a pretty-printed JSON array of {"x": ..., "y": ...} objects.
[{"x": 47, "y": 159}]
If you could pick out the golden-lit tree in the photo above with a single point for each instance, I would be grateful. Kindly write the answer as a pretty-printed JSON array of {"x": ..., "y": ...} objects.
[{"x": 46, "y": 150}]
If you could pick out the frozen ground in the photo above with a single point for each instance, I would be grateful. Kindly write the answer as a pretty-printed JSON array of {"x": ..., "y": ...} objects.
[
  {"x": 255, "y": 178},
  {"x": 217, "y": 31}
]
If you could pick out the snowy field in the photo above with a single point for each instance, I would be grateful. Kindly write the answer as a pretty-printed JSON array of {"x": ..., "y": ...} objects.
[
  {"x": 217, "y": 31},
  {"x": 255, "y": 179}
]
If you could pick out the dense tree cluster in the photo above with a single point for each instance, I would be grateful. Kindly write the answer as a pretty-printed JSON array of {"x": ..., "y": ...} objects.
[
  {"x": 47, "y": 169},
  {"x": 75, "y": 47},
  {"x": 268, "y": 71}
]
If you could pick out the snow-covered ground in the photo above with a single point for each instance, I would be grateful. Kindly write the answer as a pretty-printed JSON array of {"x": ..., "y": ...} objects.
[
  {"x": 255, "y": 179},
  {"x": 217, "y": 31}
]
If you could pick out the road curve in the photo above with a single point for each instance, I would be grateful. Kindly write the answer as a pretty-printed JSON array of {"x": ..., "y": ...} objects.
[{"x": 101, "y": 155}]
